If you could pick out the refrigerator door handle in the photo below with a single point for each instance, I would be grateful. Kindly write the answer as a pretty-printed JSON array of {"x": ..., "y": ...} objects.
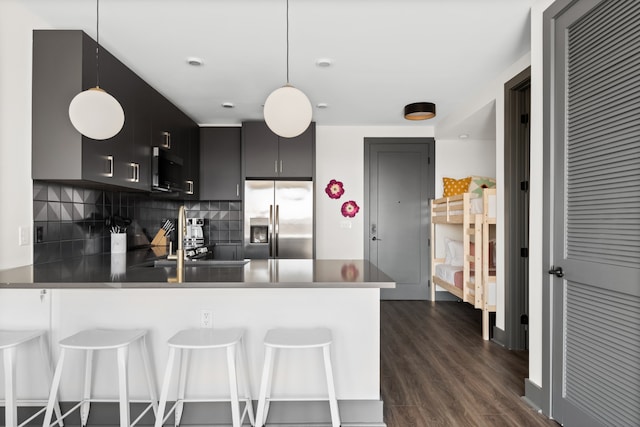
[
  {"x": 277, "y": 228},
  {"x": 271, "y": 227}
]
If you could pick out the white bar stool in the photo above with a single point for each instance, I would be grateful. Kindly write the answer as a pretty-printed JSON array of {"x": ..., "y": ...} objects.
[
  {"x": 105, "y": 339},
  {"x": 295, "y": 339},
  {"x": 200, "y": 339},
  {"x": 9, "y": 342}
]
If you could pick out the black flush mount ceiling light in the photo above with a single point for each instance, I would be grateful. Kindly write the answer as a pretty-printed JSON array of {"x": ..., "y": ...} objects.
[{"x": 420, "y": 111}]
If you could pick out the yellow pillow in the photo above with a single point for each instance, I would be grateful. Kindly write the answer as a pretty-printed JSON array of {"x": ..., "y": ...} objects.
[{"x": 453, "y": 187}]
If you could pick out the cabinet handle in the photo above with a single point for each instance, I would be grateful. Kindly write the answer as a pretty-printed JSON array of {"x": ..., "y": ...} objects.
[
  {"x": 237, "y": 190},
  {"x": 136, "y": 172},
  {"x": 280, "y": 166},
  {"x": 190, "y": 187},
  {"x": 275, "y": 166},
  {"x": 110, "y": 166},
  {"x": 167, "y": 140}
]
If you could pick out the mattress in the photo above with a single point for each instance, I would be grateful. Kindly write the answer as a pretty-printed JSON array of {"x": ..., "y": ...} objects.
[
  {"x": 454, "y": 274},
  {"x": 476, "y": 206}
]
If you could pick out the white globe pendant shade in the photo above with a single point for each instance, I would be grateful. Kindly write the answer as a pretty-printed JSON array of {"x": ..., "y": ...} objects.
[
  {"x": 287, "y": 111},
  {"x": 96, "y": 114}
]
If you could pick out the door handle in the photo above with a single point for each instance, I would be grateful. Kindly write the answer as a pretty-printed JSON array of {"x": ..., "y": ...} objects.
[
  {"x": 557, "y": 271},
  {"x": 374, "y": 238}
]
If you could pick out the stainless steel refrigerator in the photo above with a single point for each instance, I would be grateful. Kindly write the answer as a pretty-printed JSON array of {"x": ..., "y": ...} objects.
[{"x": 278, "y": 219}]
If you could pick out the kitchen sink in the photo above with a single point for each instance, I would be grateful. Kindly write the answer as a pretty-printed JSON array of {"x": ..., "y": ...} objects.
[{"x": 201, "y": 263}]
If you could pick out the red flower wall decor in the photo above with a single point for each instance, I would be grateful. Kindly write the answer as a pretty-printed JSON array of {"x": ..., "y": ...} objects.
[
  {"x": 335, "y": 189},
  {"x": 350, "y": 209}
]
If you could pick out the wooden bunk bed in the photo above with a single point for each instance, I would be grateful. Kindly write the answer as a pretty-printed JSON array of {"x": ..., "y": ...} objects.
[{"x": 474, "y": 281}]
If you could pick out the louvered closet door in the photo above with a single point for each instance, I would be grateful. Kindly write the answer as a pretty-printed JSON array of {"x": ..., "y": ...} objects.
[{"x": 596, "y": 216}]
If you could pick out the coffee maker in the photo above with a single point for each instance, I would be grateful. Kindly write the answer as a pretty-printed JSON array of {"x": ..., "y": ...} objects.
[{"x": 194, "y": 237}]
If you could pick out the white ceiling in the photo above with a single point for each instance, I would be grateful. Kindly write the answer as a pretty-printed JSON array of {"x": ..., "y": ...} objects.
[{"x": 385, "y": 53}]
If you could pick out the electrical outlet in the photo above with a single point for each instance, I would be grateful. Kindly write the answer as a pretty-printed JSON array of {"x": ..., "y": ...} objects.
[
  {"x": 24, "y": 234},
  {"x": 206, "y": 319}
]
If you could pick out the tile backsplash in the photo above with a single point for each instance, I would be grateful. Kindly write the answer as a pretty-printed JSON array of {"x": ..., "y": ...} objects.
[{"x": 69, "y": 221}]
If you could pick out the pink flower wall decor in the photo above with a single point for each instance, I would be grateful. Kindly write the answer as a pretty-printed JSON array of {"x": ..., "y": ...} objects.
[
  {"x": 335, "y": 189},
  {"x": 350, "y": 209}
]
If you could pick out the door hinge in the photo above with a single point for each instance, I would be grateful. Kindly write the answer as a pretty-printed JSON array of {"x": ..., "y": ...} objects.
[
  {"x": 428, "y": 160},
  {"x": 524, "y": 185},
  {"x": 524, "y": 252},
  {"x": 524, "y": 119},
  {"x": 428, "y": 242},
  {"x": 524, "y": 319}
]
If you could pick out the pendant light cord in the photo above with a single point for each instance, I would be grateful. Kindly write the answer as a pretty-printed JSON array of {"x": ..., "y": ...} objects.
[
  {"x": 287, "y": 41},
  {"x": 97, "y": 43}
]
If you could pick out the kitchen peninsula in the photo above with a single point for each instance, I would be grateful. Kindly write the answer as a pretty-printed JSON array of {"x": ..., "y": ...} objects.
[{"x": 103, "y": 291}]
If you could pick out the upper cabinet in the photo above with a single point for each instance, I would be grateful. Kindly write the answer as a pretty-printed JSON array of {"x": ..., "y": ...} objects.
[
  {"x": 64, "y": 64},
  {"x": 266, "y": 155},
  {"x": 220, "y": 163}
]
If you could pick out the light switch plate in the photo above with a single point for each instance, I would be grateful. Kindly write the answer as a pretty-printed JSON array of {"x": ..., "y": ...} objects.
[
  {"x": 24, "y": 234},
  {"x": 345, "y": 224}
]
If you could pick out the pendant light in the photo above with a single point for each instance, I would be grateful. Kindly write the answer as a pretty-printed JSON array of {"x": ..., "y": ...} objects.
[
  {"x": 94, "y": 113},
  {"x": 287, "y": 110}
]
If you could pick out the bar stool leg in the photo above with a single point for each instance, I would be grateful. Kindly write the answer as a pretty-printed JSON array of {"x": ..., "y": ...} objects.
[
  {"x": 333, "y": 402},
  {"x": 265, "y": 386},
  {"x": 185, "y": 355},
  {"x": 10, "y": 409},
  {"x": 86, "y": 393},
  {"x": 151, "y": 382},
  {"x": 123, "y": 353},
  {"x": 233, "y": 385},
  {"x": 54, "y": 390},
  {"x": 164, "y": 394},
  {"x": 245, "y": 382},
  {"x": 47, "y": 361}
]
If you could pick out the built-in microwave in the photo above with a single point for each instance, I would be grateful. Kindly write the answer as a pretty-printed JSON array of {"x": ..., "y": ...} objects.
[{"x": 166, "y": 169}]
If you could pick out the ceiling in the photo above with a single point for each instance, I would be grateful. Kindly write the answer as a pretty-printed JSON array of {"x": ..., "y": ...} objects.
[{"x": 384, "y": 53}]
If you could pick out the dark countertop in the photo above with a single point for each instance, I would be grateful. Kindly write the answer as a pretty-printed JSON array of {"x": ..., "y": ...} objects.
[{"x": 136, "y": 269}]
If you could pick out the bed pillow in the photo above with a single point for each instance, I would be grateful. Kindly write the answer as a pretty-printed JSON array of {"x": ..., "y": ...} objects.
[
  {"x": 453, "y": 187},
  {"x": 478, "y": 183},
  {"x": 454, "y": 252}
]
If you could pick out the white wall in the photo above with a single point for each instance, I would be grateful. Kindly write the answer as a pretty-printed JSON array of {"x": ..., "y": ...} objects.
[
  {"x": 340, "y": 156},
  {"x": 16, "y": 24}
]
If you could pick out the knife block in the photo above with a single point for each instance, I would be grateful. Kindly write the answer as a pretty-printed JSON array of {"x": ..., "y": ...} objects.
[{"x": 160, "y": 239}]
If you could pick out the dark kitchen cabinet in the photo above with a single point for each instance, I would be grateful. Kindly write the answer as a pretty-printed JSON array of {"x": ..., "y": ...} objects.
[
  {"x": 191, "y": 156},
  {"x": 64, "y": 64},
  {"x": 266, "y": 155},
  {"x": 220, "y": 163}
]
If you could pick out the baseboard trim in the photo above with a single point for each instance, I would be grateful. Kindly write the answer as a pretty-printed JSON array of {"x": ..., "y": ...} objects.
[
  {"x": 499, "y": 337},
  {"x": 532, "y": 394},
  {"x": 353, "y": 413}
]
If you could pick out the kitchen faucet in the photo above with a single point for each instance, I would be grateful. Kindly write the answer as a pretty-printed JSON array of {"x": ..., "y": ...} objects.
[{"x": 179, "y": 256}]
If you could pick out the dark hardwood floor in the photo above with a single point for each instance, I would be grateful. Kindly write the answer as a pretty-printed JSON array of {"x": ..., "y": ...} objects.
[{"x": 436, "y": 370}]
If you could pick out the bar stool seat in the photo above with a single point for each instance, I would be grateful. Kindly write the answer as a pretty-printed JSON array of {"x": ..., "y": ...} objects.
[
  {"x": 277, "y": 339},
  {"x": 200, "y": 339},
  {"x": 9, "y": 343},
  {"x": 105, "y": 339}
]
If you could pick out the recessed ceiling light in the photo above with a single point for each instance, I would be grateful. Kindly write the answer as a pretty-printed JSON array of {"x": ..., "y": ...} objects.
[
  {"x": 322, "y": 105},
  {"x": 228, "y": 104},
  {"x": 323, "y": 62},
  {"x": 463, "y": 136},
  {"x": 196, "y": 62}
]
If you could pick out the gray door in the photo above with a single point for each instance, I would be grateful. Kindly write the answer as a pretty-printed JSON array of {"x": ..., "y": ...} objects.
[
  {"x": 595, "y": 230},
  {"x": 399, "y": 182}
]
